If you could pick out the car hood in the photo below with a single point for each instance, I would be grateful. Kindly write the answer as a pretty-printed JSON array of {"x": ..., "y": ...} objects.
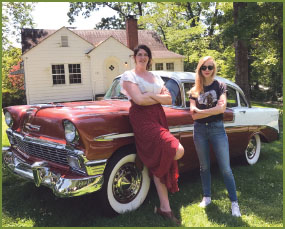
[
  {"x": 45, "y": 120},
  {"x": 91, "y": 118}
]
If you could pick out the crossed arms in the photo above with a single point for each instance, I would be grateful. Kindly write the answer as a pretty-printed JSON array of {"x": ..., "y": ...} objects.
[
  {"x": 218, "y": 109},
  {"x": 148, "y": 98}
]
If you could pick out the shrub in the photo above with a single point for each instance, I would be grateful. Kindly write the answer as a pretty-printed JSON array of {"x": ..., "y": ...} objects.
[{"x": 10, "y": 98}]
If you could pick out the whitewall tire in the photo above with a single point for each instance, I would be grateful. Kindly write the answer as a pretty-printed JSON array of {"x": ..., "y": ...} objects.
[
  {"x": 252, "y": 151},
  {"x": 125, "y": 186}
]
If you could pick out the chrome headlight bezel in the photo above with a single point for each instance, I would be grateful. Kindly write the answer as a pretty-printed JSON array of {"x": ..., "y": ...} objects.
[
  {"x": 9, "y": 119},
  {"x": 70, "y": 132}
]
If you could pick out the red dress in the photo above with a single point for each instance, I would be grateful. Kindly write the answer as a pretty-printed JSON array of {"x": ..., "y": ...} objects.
[{"x": 156, "y": 146}]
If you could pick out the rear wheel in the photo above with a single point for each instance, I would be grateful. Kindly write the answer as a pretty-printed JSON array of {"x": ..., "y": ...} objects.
[
  {"x": 252, "y": 151},
  {"x": 125, "y": 186}
]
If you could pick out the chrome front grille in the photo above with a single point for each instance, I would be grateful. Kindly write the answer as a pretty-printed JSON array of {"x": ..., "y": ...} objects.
[{"x": 41, "y": 149}]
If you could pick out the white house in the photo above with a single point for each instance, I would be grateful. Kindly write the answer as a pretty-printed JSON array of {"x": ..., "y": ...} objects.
[{"x": 71, "y": 65}]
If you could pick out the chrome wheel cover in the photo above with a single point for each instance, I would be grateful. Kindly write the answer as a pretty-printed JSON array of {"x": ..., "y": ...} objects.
[
  {"x": 127, "y": 183},
  {"x": 251, "y": 148}
]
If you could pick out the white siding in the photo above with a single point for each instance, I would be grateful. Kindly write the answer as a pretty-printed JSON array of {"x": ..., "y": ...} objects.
[
  {"x": 38, "y": 73},
  {"x": 95, "y": 77},
  {"x": 109, "y": 49},
  {"x": 178, "y": 64}
]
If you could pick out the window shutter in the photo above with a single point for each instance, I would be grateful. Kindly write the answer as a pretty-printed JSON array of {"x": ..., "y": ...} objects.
[{"x": 64, "y": 41}]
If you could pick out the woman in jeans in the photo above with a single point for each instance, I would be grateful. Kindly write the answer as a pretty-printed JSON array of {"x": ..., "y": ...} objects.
[{"x": 207, "y": 104}]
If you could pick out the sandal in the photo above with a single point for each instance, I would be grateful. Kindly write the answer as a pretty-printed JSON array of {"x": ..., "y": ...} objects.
[
  {"x": 167, "y": 215},
  {"x": 139, "y": 163}
]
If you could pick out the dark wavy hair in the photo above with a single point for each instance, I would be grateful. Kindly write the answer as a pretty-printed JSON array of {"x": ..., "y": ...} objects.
[{"x": 147, "y": 49}]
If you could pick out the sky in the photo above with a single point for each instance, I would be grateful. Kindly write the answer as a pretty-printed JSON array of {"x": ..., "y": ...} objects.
[{"x": 53, "y": 15}]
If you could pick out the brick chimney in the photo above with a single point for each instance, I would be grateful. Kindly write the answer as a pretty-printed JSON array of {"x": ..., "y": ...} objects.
[{"x": 132, "y": 32}]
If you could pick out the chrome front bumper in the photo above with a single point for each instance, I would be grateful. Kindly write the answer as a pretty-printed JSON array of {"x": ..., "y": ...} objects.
[{"x": 42, "y": 174}]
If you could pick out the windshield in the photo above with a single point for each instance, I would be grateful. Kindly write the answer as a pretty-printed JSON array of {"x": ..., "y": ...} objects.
[{"x": 114, "y": 91}]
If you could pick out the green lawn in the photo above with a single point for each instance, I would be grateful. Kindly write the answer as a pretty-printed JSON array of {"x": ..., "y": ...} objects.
[{"x": 259, "y": 189}]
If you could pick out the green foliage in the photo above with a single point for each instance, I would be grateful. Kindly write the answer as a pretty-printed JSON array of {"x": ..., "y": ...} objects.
[
  {"x": 13, "y": 97},
  {"x": 196, "y": 29},
  {"x": 10, "y": 57},
  {"x": 123, "y": 9},
  {"x": 11, "y": 93},
  {"x": 15, "y": 15}
]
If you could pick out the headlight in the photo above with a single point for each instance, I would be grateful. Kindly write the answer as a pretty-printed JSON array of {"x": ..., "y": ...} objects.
[
  {"x": 70, "y": 132},
  {"x": 8, "y": 119}
]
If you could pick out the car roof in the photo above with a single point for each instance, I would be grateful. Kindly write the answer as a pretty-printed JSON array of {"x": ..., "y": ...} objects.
[
  {"x": 181, "y": 76},
  {"x": 186, "y": 76}
]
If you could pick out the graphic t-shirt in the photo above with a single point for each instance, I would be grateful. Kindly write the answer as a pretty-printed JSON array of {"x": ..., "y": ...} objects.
[{"x": 209, "y": 98}]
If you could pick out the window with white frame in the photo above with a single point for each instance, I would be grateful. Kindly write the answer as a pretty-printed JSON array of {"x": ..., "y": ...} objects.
[
  {"x": 58, "y": 74},
  {"x": 170, "y": 66},
  {"x": 64, "y": 41},
  {"x": 74, "y": 73},
  {"x": 159, "y": 66}
]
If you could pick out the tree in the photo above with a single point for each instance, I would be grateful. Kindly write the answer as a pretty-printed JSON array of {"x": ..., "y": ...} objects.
[
  {"x": 16, "y": 81},
  {"x": 241, "y": 50},
  {"x": 15, "y": 15},
  {"x": 266, "y": 51},
  {"x": 245, "y": 38},
  {"x": 124, "y": 9}
]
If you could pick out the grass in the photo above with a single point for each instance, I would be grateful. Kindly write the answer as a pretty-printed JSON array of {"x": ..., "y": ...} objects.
[{"x": 259, "y": 189}]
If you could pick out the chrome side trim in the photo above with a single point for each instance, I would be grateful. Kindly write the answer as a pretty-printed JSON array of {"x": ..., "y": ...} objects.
[
  {"x": 41, "y": 174},
  {"x": 112, "y": 136},
  {"x": 173, "y": 129}
]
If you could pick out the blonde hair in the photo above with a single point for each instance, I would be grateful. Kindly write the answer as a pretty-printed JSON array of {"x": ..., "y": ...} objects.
[{"x": 199, "y": 78}]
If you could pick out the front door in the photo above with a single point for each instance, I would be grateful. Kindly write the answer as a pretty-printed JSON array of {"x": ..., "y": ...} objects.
[{"x": 111, "y": 70}]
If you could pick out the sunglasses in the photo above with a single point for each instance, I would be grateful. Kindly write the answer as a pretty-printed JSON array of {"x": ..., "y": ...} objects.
[{"x": 204, "y": 68}]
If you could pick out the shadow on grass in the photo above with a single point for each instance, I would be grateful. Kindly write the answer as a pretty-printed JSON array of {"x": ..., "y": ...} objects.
[
  {"x": 214, "y": 214},
  {"x": 260, "y": 193},
  {"x": 23, "y": 200}
]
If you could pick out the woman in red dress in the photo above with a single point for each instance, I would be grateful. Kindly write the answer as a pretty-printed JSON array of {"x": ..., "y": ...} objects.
[{"x": 157, "y": 148}]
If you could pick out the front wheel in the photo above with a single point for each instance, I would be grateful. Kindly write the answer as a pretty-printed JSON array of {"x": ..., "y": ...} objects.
[
  {"x": 125, "y": 186},
  {"x": 252, "y": 151}
]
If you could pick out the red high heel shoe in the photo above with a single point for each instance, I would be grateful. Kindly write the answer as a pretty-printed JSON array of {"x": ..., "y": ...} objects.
[{"x": 167, "y": 215}]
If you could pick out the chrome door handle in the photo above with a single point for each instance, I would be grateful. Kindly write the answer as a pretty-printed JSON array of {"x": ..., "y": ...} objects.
[{"x": 242, "y": 112}]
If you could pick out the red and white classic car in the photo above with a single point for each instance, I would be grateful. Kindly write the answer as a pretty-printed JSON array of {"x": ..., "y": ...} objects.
[{"x": 82, "y": 147}]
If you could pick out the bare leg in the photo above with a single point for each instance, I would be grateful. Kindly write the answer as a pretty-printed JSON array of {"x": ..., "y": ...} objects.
[{"x": 162, "y": 194}]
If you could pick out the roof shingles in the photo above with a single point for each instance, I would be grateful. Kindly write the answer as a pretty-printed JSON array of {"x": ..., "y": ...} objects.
[{"x": 32, "y": 37}]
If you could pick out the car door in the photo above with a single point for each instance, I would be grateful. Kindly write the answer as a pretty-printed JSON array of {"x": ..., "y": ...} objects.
[
  {"x": 181, "y": 125},
  {"x": 237, "y": 132}
]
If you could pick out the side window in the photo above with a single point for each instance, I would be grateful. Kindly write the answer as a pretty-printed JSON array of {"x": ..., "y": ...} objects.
[
  {"x": 174, "y": 90},
  {"x": 74, "y": 73},
  {"x": 159, "y": 66},
  {"x": 187, "y": 87},
  {"x": 231, "y": 97},
  {"x": 242, "y": 101},
  {"x": 58, "y": 75}
]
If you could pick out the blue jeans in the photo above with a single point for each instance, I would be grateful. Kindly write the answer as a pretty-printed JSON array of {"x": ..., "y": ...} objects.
[{"x": 214, "y": 133}]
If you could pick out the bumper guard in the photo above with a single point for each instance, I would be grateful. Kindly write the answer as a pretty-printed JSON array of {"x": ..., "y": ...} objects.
[{"x": 41, "y": 174}]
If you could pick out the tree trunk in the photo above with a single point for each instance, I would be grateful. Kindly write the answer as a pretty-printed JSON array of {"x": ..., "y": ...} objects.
[{"x": 241, "y": 54}]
